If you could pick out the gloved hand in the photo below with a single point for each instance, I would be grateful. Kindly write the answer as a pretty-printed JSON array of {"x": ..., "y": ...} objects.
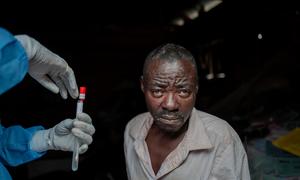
[
  {"x": 63, "y": 135},
  {"x": 44, "y": 64}
]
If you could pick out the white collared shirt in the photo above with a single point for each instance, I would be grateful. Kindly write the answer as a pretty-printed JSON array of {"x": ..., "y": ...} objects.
[{"x": 210, "y": 149}]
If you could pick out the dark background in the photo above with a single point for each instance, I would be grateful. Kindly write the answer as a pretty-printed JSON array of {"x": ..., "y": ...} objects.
[{"x": 106, "y": 43}]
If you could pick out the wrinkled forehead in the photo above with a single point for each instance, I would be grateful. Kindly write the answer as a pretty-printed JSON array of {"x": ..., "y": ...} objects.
[{"x": 165, "y": 67}]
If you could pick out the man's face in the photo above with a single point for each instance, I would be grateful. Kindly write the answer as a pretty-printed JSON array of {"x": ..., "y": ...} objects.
[{"x": 170, "y": 90}]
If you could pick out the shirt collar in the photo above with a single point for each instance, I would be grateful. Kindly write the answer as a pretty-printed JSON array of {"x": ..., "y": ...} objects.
[
  {"x": 196, "y": 137},
  {"x": 140, "y": 129}
]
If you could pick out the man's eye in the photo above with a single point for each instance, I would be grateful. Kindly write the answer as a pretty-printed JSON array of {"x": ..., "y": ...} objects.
[
  {"x": 157, "y": 93},
  {"x": 184, "y": 93}
]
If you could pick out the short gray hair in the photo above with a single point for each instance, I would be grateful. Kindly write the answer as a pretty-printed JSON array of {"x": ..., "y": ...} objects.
[{"x": 169, "y": 52}]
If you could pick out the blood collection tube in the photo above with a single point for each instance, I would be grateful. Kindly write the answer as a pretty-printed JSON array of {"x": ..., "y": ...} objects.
[{"x": 79, "y": 109}]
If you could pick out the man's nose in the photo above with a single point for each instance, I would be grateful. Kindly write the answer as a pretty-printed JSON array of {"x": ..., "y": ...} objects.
[{"x": 170, "y": 102}]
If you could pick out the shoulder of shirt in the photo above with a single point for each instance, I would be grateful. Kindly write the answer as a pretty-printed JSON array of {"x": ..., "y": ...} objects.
[
  {"x": 136, "y": 122},
  {"x": 217, "y": 127}
]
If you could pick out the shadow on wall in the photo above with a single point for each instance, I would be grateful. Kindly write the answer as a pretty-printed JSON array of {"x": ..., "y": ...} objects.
[{"x": 275, "y": 88}]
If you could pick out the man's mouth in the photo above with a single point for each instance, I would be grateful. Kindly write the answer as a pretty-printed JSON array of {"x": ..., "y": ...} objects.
[
  {"x": 170, "y": 118},
  {"x": 169, "y": 121}
]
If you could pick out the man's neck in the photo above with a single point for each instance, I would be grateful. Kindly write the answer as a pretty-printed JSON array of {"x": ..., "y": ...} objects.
[
  {"x": 161, "y": 143},
  {"x": 168, "y": 134}
]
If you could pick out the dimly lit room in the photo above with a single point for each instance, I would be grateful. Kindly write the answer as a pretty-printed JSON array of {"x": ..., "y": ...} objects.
[{"x": 247, "y": 55}]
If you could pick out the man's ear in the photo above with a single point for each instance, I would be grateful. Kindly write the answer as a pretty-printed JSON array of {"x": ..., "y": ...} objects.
[{"x": 142, "y": 84}]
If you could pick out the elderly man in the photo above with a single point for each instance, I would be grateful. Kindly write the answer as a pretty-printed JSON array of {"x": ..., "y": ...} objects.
[{"x": 174, "y": 140}]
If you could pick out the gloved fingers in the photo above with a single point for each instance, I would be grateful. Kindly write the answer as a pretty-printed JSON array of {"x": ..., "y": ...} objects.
[
  {"x": 47, "y": 83},
  {"x": 83, "y": 148},
  {"x": 70, "y": 82},
  {"x": 61, "y": 86},
  {"x": 84, "y": 117},
  {"x": 82, "y": 136},
  {"x": 85, "y": 127},
  {"x": 64, "y": 127}
]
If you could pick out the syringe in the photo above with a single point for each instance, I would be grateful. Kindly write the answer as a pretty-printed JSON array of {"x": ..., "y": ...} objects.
[{"x": 79, "y": 108}]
